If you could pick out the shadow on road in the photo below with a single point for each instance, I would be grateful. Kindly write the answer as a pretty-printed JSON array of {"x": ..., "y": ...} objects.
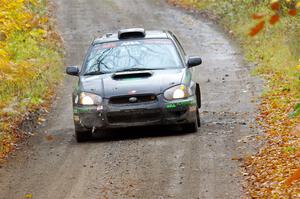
[{"x": 136, "y": 133}]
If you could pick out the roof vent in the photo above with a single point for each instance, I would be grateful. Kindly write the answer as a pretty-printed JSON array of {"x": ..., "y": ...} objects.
[{"x": 131, "y": 33}]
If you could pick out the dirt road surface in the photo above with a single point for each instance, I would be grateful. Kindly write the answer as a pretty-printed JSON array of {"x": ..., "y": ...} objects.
[{"x": 146, "y": 162}]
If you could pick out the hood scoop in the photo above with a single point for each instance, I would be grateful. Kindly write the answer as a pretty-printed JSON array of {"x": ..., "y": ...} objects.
[{"x": 131, "y": 75}]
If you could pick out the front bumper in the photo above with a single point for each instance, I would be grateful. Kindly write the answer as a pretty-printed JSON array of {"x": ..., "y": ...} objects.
[{"x": 160, "y": 112}]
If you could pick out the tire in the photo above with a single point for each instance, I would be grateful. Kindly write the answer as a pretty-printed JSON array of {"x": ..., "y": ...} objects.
[
  {"x": 190, "y": 127},
  {"x": 198, "y": 118},
  {"x": 83, "y": 136},
  {"x": 198, "y": 95}
]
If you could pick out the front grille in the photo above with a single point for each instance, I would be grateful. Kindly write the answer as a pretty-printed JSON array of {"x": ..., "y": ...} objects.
[
  {"x": 134, "y": 116},
  {"x": 126, "y": 99}
]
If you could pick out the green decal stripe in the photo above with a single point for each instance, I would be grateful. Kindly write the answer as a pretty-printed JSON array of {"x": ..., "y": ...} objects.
[
  {"x": 171, "y": 106},
  {"x": 180, "y": 104},
  {"x": 75, "y": 111},
  {"x": 82, "y": 110}
]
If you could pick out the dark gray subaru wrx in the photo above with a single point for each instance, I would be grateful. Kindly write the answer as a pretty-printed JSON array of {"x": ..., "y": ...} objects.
[{"x": 135, "y": 78}]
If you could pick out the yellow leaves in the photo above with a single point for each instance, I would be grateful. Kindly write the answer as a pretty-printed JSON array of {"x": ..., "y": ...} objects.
[
  {"x": 3, "y": 54},
  {"x": 44, "y": 20},
  {"x": 13, "y": 16},
  {"x": 26, "y": 52},
  {"x": 4, "y": 64},
  {"x": 38, "y": 33},
  {"x": 28, "y": 195},
  {"x": 34, "y": 2}
]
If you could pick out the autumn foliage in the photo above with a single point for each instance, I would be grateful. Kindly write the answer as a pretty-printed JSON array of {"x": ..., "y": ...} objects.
[
  {"x": 257, "y": 28},
  {"x": 269, "y": 32},
  {"x": 29, "y": 64},
  {"x": 278, "y": 11}
]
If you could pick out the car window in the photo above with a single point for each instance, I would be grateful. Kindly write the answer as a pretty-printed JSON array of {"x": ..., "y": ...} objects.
[{"x": 122, "y": 55}]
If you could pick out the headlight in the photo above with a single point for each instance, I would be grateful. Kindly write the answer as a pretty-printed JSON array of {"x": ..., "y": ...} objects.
[
  {"x": 89, "y": 99},
  {"x": 178, "y": 92}
]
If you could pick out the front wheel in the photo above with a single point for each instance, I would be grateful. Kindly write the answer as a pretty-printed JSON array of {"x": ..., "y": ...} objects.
[
  {"x": 198, "y": 118},
  {"x": 190, "y": 127},
  {"x": 83, "y": 136}
]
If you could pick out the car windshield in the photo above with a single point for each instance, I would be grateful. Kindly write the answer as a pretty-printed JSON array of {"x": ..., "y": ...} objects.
[{"x": 147, "y": 54}]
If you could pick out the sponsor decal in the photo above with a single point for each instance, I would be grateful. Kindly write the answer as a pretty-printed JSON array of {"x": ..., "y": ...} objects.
[
  {"x": 179, "y": 104},
  {"x": 130, "y": 43}
]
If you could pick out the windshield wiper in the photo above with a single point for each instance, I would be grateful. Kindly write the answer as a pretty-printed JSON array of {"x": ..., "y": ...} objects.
[{"x": 94, "y": 73}]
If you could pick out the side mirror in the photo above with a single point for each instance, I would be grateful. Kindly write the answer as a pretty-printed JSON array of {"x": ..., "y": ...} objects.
[
  {"x": 194, "y": 61},
  {"x": 72, "y": 70}
]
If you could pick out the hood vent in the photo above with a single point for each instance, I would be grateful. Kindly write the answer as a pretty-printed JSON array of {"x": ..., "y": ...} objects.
[{"x": 126, "y": 75}]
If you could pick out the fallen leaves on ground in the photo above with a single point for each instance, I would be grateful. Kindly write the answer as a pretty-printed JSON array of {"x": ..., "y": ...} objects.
[
  {"x": 274, "y": 171},
  {"x": 49, "y": 138},
  {"x": 294, "y": 178}
]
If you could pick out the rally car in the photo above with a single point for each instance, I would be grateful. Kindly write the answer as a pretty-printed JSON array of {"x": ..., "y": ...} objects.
[{"x": 135, "y": 78}]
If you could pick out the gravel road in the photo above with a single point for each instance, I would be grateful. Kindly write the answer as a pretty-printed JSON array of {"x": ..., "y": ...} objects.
[{"x": 153, "y": 162}]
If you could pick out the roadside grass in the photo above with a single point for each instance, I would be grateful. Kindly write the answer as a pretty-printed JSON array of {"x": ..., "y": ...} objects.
[
  {"x": 30, "y": 65},
  {"x": 274, "y": 171}
]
